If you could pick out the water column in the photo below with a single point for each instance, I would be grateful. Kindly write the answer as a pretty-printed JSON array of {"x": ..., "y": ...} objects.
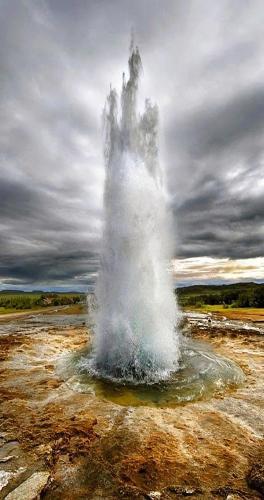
[{"x": 135, "y": 336}]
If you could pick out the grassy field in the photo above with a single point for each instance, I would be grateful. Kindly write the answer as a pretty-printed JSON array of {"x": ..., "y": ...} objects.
[
  {"x": 11, "y": 302},
  {"x": 229, "y": 300},
  {"x": 240, "y": 313},
  {"x": 222, "y": 309},
  {"x": 242, "y": 301},
  {"x": 238, "y": 295}
]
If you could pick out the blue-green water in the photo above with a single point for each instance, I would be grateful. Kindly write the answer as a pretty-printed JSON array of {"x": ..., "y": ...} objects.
[{"x": 202, "y": 374}]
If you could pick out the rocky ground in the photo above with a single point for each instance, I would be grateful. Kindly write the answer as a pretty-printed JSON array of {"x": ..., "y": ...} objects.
[{"x": 57, "y": 443}]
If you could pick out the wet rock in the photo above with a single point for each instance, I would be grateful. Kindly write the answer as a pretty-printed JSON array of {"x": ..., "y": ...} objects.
[
  {"x": 31, "y": 488},
  {"x": 234, "y": 497},
  {"x": 185, "y": 492},
  {"x": 154, "y": 495},
  {"x": 131, "y": 492},
  {"x": 229, "y": 493},
  {"x": 6, "y": 459},
  {"x": 255, "y": 478},
  {"x": 4, "y": 478}
]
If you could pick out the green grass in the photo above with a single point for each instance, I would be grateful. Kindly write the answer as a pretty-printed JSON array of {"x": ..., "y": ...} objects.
[
  {"x": 5, "y": 310},
  {"x": 238, "y": 295},
  {"x": 207, "y": 308},
  {"x": 27, "y": 301},
  {"x": 223, "y": 309}
]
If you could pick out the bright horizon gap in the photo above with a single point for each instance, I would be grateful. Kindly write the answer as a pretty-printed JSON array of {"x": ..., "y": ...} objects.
[{"x": 213, "y": 268}]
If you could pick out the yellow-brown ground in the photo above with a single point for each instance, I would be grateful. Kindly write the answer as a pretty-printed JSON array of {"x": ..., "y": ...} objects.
[
  {"x": 95, "y": 449},
  {"x": 256, "y": 315}
]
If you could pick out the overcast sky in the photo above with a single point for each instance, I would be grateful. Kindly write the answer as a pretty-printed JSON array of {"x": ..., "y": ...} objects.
[{"x": 204, "y": 66}]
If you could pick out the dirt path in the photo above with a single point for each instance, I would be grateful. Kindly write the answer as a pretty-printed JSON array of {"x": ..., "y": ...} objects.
[{"x": 31, "y": 312}]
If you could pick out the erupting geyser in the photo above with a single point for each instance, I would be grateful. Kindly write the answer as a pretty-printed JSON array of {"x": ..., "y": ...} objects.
[
  {"x": 135, "y": 336},
  {"x": 136, "y": 358}
]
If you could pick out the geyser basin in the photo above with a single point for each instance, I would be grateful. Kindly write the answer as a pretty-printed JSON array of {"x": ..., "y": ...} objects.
[{"x": 202, "y": 374}]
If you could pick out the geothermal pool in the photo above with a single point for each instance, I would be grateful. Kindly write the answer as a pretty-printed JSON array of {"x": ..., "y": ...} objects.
[{"x": 201, "y": 374}]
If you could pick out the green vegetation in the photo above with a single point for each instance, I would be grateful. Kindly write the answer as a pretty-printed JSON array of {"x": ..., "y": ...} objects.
[
  {"x": 234, "y": 296},
  {"x": 214, "y": 297},
  {"x": 11, "y": 301}
]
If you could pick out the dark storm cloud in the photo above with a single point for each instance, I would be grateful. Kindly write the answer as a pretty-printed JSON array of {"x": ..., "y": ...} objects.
[
  {"x": 219, "y": 127},
  {"x": 203, "y": 64},
  {"x": 209, "y": 224},
  {"x": 51, "y": 266}
]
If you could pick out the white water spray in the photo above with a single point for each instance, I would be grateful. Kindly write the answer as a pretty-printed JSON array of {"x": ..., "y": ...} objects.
[{"x": 135, "y": 336}]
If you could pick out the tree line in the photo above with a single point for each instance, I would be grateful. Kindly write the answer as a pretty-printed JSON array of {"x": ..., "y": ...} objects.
[
  {"x": 29, "y": 301},
  {"x": 238, "y": 295}
]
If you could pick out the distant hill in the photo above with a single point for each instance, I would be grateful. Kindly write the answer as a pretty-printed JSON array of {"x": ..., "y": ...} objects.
[{"x": 234, "y": 295}]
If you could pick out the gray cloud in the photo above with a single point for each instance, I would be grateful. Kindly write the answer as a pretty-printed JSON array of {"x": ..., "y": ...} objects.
[
  {"x": 220, "y": 127},
  {"x": 203, "y": 64}
]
